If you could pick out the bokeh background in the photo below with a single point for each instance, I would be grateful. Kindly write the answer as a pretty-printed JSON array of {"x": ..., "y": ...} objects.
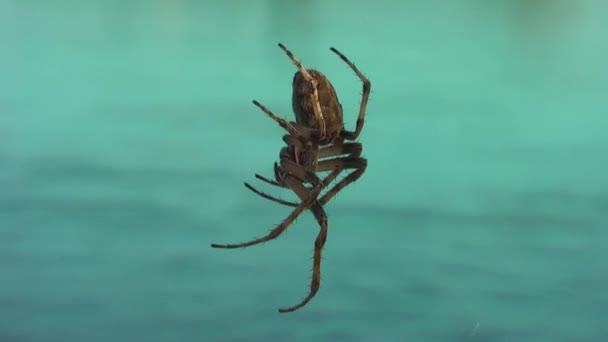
[{"x": 127, "y": 129}]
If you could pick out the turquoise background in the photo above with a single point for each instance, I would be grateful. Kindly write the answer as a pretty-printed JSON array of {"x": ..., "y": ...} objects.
[{"x": 127, "y": 129}]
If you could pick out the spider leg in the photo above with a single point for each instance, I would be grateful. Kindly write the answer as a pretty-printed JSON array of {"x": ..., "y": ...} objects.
[
  {"x": 341, "y": 164},
  {"x": 314, "y": 96},
  {"x": 282, "y": 122},
  {"x": 337, "y": 165},
  {"x": 277, "y": 172},
  {"x": 269, "y": 197},
  {"x": 321, "y": 217},
  {"x": 349, "y": 148},
  {"x": 297, "y": 171},
  {"x": 281, "y": 227},
  {"x": 367, "y": 87},
  {"x": 269, "y": 181}
]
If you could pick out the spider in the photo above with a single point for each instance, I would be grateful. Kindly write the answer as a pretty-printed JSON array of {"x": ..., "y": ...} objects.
[{"x": 316, "y": 142}]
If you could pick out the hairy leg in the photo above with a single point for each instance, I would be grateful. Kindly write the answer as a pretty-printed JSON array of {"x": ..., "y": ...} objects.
[
  {"x": 314, "y": 96},
  {"x": 367, "y": 87},
  {"x": 317, "y": 210},
  {"x": 282, "y": 227}
]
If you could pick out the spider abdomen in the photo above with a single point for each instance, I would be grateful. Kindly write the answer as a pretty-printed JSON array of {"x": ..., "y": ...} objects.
[{"x": 328, "y": 99}]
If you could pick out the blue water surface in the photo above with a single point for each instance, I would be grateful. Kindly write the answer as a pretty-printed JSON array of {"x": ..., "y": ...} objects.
[{"x": 127, "y": 129}]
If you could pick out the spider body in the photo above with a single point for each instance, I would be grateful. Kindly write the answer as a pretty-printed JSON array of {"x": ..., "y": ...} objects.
[{"x": 316, "y": 142}]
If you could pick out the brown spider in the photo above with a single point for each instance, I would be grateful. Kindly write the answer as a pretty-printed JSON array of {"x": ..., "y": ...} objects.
[{"x": 315, "y": 143}]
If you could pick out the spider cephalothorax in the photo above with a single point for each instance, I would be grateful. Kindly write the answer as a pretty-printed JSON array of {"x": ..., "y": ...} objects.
[{"x": 316, "y": 142}]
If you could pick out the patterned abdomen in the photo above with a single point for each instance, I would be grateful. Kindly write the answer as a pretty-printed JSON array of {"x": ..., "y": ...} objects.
[{"x": 330, "y": 106}]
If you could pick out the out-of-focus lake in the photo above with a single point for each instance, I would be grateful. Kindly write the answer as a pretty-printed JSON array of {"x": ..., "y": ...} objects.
[{"x": 127, "y": 129}]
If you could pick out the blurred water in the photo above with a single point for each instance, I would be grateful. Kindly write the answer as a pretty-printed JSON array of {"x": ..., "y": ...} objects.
[{"x": 126, "y": 130}]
